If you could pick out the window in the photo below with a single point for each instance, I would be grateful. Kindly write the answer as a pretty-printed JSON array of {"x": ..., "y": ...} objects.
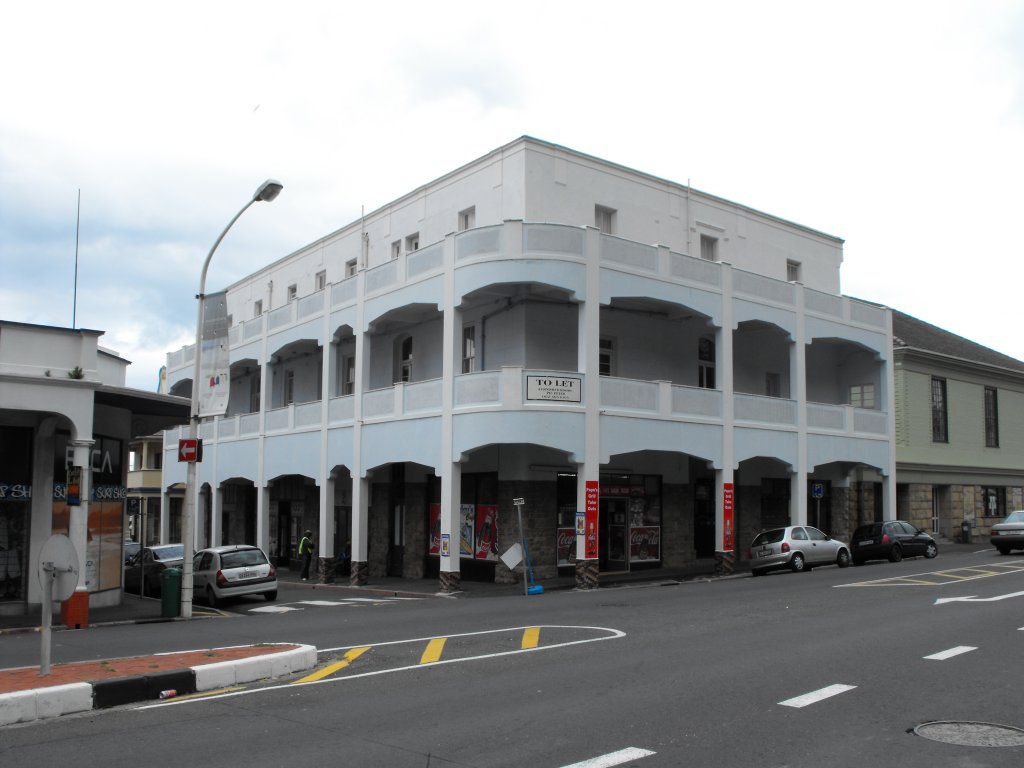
[
  {"x": 604, "y": 219},
  {"x": 793, "y": 271},
  {"x": 991, "y": 418},
  {"x": 293, "y": 291},
  {"x": 396, "y": 249},
  {"x": 231, "y": 321},
  {"x": 862, "y": 395},
  {"x": 469, "y": 349},
  {"x": 940, "y": 421},
  {"x": 467, "y": 219},
  {"x": 709, "y": 248},
  {"x": 350, "y": 268},
  {"x": 412, "y": 243},
  {"x": 706, "y": 363},
  {"x": 773, "y": 385},
  {"x": 993, "y": 502},
  {"x": 321, "y": 280},
  {"x": 254, "y": 394},
  {"x": 289, "y": 387},
  {"x": 348, "y": 375},
  {"x": 606, "y": 357},
  {"x": 257, "y": 308},
  {"x": 405, "y": 360}
]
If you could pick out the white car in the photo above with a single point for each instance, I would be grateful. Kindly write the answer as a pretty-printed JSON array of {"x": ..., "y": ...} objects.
[
  {"x": 797, "y": 547},
  {"x": 232, "y": 571}
]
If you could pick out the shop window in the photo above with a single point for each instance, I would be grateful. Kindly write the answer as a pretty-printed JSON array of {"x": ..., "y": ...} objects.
[{"x": 993, "y": 502}]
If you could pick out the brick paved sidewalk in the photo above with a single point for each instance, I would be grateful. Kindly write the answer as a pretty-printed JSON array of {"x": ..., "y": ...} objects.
[{"x": 28, "y": 678}]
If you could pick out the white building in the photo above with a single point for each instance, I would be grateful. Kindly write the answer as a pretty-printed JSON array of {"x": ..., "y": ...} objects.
[
  {"x": 532, "y": 324},
  {"x": 66, "y": 419}
]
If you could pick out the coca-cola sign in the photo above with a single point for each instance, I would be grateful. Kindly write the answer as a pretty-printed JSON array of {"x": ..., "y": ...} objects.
[
  {"x": 566, "y": 546},
  {"x": 645, "y": 543}
]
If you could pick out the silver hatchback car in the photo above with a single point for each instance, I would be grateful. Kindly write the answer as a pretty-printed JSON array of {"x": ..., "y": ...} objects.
[
  {"x": 797, "y": 547},
  {"x": 232, "y": 571}
]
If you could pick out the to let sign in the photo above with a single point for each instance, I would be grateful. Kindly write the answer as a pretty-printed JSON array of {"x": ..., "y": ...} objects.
[{"x": 190, "y": 450}]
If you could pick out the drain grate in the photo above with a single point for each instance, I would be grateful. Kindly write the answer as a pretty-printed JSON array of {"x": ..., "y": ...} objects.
[{"x": 968, "y": 734}]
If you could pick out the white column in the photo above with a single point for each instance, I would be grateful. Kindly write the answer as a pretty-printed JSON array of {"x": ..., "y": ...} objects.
[
  {"x": 588, "y": 357},
  {"x": 450, "y": 470},
  {"x": 164, "y": 524},
  {"x": 78, "y": 516},
  {"x": 202, "y": 503},
  {"x": 263, "y": 518},
  {"x": 798, "y": 383},
  {"x": 217, "y": 517},
  {"x": 725, "y": 367},
  {"x": 325, "y": 532}
]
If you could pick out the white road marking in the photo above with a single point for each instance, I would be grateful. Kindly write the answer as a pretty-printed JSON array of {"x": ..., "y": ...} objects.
[
  {"x": 973, "y": 599},
  {"x": 613, "y": 758},
  {"x": 943, "y": 655},
  {"x": 273, "y": 609},
  {"x": 815, "y": 696},
  {"x": 350, "y": 601}
]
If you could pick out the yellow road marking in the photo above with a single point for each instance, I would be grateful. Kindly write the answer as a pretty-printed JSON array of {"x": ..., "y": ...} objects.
[
  {"x": 433, "y": 652},
  {"x": 531, "y": 635},
  {"x": 330, "y": 669}
]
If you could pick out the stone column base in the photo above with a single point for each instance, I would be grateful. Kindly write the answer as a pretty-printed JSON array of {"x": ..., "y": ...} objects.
[
  {"x": 587, "y": 574},
  {"x": 360, "y": 576},
  {"x": 450, "y": 581},
  {"x": 325, "y": 567},
  {"x": 725, "y": 563}
]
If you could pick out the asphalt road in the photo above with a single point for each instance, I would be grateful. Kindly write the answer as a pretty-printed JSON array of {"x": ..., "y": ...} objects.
[{"x": 699, "y": 674}]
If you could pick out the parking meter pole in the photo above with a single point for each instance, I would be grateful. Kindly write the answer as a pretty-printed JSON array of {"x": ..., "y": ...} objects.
[
  {"x": 522, "y": 542},
  {"x": 44, "y": 653}
]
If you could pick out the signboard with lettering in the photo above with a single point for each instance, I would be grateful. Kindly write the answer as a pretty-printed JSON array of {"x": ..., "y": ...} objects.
[
  {"x": 590, "y": 538},
  {"x": 727, "y": 517},
  {"x": 565, "y": 389}
]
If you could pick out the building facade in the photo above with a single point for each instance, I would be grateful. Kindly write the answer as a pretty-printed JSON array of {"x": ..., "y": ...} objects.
[
  {"x": 644, "y": 373},
  {"x": 959, "y": 431},
  {"x": 66, "y": 420}
]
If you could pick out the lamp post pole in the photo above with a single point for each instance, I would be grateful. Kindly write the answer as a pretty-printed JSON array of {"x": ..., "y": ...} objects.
[{"x": 267, "y": 191}]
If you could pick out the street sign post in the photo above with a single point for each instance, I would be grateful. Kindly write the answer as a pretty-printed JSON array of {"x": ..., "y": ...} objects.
[
  {"x": 190, "y": 450},
  {"x": 58, "y": 575}
]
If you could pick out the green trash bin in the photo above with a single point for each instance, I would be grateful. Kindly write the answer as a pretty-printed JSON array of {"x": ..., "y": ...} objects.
[{"x": 170, "y": 593}]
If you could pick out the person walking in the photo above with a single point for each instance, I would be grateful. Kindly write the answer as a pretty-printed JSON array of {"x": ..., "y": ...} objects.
[{"x": 306, "y": 553}]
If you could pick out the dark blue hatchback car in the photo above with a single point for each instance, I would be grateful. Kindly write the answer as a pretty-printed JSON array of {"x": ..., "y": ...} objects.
[{"x": 890, "y": 540}]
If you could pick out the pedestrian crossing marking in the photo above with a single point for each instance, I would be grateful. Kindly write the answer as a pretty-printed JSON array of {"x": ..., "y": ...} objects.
[
  {"x": 940, "y": 578},
  {"x": 433, "y": 652}
]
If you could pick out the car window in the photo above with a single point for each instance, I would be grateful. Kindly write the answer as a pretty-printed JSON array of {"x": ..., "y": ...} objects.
[
  {"x": 242, "y": 558},
  {"x": 168, "y": 553},
  {"x": 1015, "y": 517},
  {"x": 815, "y": 534},
  {"x": 908, "y": 528},
  {"x": 769, "y": 537},
  {"x": 799, "y": 534}
]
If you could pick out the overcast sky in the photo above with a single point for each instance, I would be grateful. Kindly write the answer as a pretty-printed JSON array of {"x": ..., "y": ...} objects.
[{"x": 897, "y": 126}]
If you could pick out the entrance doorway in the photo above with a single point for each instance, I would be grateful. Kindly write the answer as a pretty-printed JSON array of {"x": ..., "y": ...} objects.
[
  {"x": 284, "y": 533},
  {"x": 613, "y": 523},
  {"x": 703, "y": 520}
]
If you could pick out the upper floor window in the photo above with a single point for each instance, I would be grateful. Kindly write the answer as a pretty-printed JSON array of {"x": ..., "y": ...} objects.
[
  {"x": 254, "y": 394},
  {"x": 396, "y": 249},
  {"x": 348, "y": 375},
  {"x": 293, "y": 292},
  {"x": 467, "y": 219},
  {"x": 412, "y": 242},
  {"x": 606, "y": 359},
  {"x": 469, "y": 349},
  {"x": 289, "y": 387},
  {"x": 257, "y": 308},
  {"x": 706, "y": 363},
  {"x": 862, "y": 395},
  {"x": 350, "y": 268},
  {"x": 321, "y": 280},
  {"x": 773, "y": 384},
  {"x": 709, "y": 248},
  {"x": 604, "y": 219},
  {"x": 405, "y": 359},
  {"x": 940, "y": 417},
  {"x": 793, "y": 271},
  {"x": 991, "y": 417}
]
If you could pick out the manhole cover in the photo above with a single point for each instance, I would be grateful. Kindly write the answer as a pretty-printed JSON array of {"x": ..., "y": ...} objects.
[{"x": 969, "y": 734}]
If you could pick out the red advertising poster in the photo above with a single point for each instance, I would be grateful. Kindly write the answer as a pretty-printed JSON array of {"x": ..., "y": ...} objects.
[
  {"x": 467, "y": 528},
  {"x": 645, "y": 544},
  {"x": 486, "y": 532},
  {"x": 565, "y": 546},
  {"x": 435, "y": 529},
  {"x": 727, "y": 517},
  {"x": 593, "y": 497}
]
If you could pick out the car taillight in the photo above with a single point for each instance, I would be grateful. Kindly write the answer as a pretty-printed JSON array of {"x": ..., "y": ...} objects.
[
  {"x": 885, "y": 538},
  {"x": 785, "y": 546},
  {"x": 272, "y": 573},
  {"x": 221, "y": 581}
]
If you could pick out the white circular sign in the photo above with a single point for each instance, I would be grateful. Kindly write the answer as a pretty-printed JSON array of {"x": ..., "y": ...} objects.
[{"x": 58, "y": 554}]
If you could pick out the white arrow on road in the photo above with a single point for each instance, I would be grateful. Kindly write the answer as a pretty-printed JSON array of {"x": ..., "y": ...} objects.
[{"x": 973, "y": 599}]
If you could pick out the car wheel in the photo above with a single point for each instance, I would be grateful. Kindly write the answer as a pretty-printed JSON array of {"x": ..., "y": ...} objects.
[
  {"x": 843, "y": 559},
  {"x": 270, "y": 596},
  {"x": 211, "y": 598},
  {"x": 931, "y": 550},
  {"x": 896, "y": 554},
  {"x": 797, "y": 563},
  {"x": 1003, "y": 550}
]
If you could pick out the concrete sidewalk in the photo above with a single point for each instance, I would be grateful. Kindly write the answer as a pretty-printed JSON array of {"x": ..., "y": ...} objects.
[{"x": 25, "y": 695}]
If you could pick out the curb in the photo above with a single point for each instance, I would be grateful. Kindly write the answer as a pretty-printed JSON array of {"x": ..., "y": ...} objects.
[{"x": 54, "y": 701}]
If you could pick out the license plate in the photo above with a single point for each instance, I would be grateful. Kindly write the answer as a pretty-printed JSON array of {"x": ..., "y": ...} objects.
[
  {"x": 249, "y": 574},
  {"x": 765, "y": 553},
  {"x": 1011, "y": 533}
]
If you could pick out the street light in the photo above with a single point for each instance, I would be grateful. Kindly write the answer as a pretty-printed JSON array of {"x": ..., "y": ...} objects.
[{"x": 267, "y": 191}]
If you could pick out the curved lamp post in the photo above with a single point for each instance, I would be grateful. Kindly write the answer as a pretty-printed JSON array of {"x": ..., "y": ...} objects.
[{"x": 267, "y": 191}]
